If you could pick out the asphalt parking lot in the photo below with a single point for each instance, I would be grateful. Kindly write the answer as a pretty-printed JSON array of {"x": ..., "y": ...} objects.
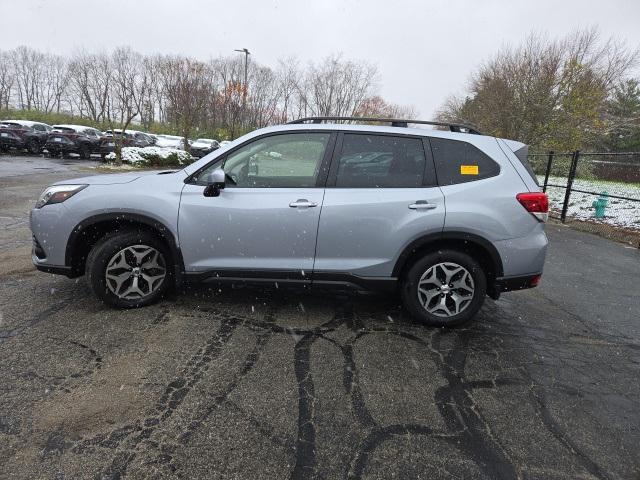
[{"x": 243, "y": 383}]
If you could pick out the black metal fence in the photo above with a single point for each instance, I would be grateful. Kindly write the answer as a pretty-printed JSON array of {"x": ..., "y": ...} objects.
[{"x": 596, "y": 188}]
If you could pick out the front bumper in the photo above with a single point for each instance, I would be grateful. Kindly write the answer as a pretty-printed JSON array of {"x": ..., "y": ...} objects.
[{"x": 50, "y": 227}]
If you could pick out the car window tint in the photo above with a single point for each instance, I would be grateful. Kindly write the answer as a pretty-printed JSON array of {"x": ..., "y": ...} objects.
[
  {"x": 277, "y": 161},
  {"x": 379, "y": 161},
  {"x": 460, "y": 162}
]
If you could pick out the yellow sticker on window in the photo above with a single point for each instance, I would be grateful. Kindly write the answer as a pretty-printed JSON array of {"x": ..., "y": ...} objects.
[{"x": 468, "y": 169}]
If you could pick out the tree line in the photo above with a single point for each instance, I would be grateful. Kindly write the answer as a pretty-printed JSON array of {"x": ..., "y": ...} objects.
[
  {"x": 576, "y": 92},
  {"x": 190, "y": 97}
]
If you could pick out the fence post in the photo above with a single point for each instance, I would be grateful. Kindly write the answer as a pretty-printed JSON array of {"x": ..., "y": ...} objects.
[
  {"x": 546, "y": 174},
  {"x": 567, "y": 193}
]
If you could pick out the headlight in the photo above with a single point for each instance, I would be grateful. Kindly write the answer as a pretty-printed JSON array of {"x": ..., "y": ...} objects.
[{"x": 58, "y": 194}]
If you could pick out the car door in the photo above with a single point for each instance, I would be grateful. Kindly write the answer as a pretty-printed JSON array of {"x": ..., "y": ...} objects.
[
  {"x": 265, "y": 220},
  {"x": 381, "y": 195}
]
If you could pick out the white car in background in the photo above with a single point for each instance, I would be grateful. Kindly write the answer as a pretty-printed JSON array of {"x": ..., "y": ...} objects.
[{"x": 170, "y": 141}]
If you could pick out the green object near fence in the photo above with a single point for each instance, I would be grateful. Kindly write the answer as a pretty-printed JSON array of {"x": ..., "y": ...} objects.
[{"x": 601, "y": 204}]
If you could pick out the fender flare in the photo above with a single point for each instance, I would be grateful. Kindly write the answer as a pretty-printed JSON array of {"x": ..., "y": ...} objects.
[
  {"x": 439, "y": 237},
  {"x": 126, "y": 217}
]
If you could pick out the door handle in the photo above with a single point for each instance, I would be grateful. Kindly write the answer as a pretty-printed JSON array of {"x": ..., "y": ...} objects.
[
  {"x": 302, "y": 203},
  {"x": 422, "y": 205}
]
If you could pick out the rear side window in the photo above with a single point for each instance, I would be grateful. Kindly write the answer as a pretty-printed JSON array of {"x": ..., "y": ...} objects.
[
  {"x": 460, "y": 162},
  {"x": 522, "y": 155},
  {"x": 380, "y": 161}
]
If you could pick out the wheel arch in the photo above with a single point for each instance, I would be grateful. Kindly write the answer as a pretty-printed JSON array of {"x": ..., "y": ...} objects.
[
  {"x": 89, "y": 231},
  {"x": 481, "y": 249}
]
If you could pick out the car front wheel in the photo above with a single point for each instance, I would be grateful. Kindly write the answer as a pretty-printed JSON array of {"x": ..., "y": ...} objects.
[
  {"x": 444, "y": 288},
  {"x": 129, "y": 269}
]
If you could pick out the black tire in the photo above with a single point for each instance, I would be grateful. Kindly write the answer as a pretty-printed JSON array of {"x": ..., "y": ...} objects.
[
  {"x": 33, "y": 147},
  {"x": 412, "y": 301},
  {"x": 105, "y": 251},
  {"x": 53, "y": 153},
  {"x": 85, "y": 152}
]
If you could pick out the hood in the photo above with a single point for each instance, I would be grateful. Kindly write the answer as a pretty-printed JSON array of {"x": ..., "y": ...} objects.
[
  {"x": 201, "y": 145},
  {"x": 112, "y": 178}
]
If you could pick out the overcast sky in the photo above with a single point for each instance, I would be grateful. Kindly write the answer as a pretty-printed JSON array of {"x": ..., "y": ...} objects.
[{"x": 424, "y": 50}]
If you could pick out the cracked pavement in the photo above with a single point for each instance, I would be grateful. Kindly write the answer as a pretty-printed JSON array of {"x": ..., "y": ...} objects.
[{"x": 249, "y": 383}]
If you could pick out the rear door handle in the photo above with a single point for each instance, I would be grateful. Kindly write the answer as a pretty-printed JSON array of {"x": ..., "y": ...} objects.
[
  {"x": 302, "y": 203},
  {"x": 422, "y": 205}
]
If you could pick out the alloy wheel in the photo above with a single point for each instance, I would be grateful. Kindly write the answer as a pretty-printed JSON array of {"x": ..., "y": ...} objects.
[
  {"x": 135, "y": 272},
  {"x": 446, "y": 289}
]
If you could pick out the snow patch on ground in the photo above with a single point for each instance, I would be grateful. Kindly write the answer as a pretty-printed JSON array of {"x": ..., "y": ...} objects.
[{"x": 619, "y": 213}]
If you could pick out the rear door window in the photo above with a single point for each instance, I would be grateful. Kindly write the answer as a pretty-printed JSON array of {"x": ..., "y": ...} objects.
[
  {"x": 459, "y": 162},
  {"x": 380, "y": 161}
]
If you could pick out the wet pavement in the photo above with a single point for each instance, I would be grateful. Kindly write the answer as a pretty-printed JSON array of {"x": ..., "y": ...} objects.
[{"x": 246, "y": 383}]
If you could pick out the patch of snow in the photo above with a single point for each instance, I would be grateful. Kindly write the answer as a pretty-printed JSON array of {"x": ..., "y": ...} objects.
[{"x": 618, "y": 213}]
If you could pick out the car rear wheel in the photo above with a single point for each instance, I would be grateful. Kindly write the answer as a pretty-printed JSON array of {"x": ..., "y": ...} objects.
[
  {"x": 129, "y": 269},
  {"x": 34, "y": 147},
  {"x": 85, "y": 153},
  {"x": 444, "y": 288},
  {"x": 53, "y": 153}
]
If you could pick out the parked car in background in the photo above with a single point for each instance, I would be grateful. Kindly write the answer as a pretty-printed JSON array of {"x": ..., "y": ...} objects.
[
  {"x": 79, "y": 139},
  {"x": 224, "y": 143},
  {"x": 23, "y": 135},
  {"x": 132, "y": 138},
  {"x": 201, "y": 146},
  {"x": 171, "y": 141}
]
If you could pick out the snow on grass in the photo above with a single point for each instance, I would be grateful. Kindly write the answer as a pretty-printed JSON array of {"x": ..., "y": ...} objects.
[
  {"x": 619, "y": 213},
  {"x": 152, "y": 156}
]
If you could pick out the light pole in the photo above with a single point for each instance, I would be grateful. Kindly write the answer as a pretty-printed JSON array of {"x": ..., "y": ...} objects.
[{"x": 246, "y": 61}]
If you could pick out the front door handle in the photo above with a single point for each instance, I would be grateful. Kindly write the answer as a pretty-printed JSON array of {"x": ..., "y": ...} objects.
[
  {"x": 302, "y": 203},
  {"x": 422, "y": 205}
]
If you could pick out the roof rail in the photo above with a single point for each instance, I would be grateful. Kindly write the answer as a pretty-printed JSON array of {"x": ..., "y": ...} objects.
[{"x": 395, "y": 122}]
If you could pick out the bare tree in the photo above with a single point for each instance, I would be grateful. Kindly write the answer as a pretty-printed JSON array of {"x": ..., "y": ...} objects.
[
  {"x": 129, "y": 89},
  {"x": 186, "y": 84},
  {"x": 90, "y": 85},
  {"x": 337, "y": 87},
  {"x": 7, "y": 80},
  {"x": 123, "y": 87}
]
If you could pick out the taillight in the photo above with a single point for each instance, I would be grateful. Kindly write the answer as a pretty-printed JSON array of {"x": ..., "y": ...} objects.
[
  {"x": 535, "y": 281},
  {"x": 536, "y": 203}
]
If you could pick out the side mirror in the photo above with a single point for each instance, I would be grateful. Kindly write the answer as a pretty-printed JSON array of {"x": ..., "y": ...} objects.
[{"x": 215, "y": 183}]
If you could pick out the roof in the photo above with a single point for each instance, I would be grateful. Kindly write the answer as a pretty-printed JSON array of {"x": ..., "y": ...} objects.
[
  {"x": 74, "y": 127},
  {"x": 368, "y": 128},
  {"x": 394, "y": 122},
  {"x": 26, "y": 123}
]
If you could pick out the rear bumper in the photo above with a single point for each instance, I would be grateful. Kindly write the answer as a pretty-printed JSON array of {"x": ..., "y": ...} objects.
[
  {"x": 106, "y": 149},
  {"x": 61, "y": 147},
  {"x": 12, "y": 142},
  {"x": 520, "y": 282}
]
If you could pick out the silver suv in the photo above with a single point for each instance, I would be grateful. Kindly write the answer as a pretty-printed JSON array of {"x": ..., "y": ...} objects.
[{"x": 441, "y": 217}]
